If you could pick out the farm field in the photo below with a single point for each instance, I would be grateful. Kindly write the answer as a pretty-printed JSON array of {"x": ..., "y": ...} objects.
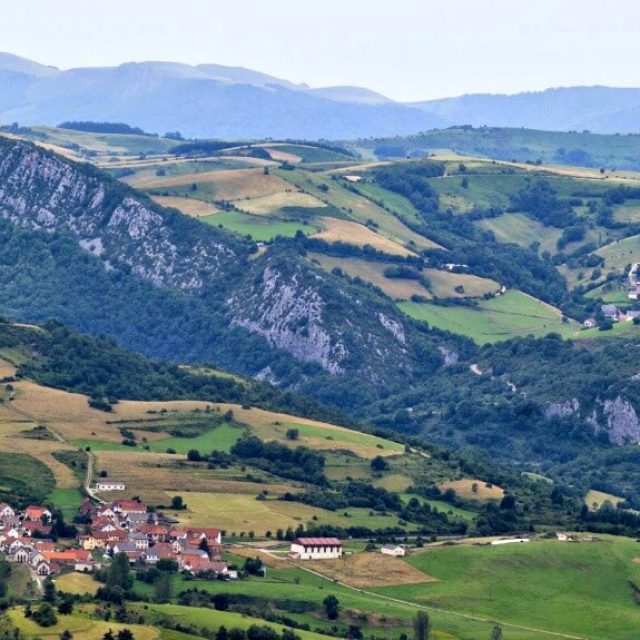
[
  {"x": 346, "y": 231},
  {"x": 269, "y": 425},
  {"x": 443, "y": 283},
  {"x": 595, "y": 499},
  {"x": 274, "y": 204},
  {"x": 243, "y": 513},
  {"x": 260, "y": 228},
  {"x": 81, "y": 626},
  {"x": 189, "y": 206},
  {"x": 383, "y": 616},
  {"x": 509, "y": 315},
  {"x": 487, "y": 581},
  {"x": 356, "y": 207},
  {"x": 220, "y": 438},
  {"x": 76, "y": 583},
  {"x": 369, "y": 570},
  {"x": 394, "y": 201},
  {"x": 106, "y": 144},
  {"x": 620, "y": 253},
  {"x": 229, "y": 185},
  {"x": 464, "y": 489},
  {"x": 211, "y": 619},
  {"x": 442, "y": 506},
  {"x": 522, "y": 230}
]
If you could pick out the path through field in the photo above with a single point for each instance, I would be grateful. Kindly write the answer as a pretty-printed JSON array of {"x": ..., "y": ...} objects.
[{"x": 458, "y": 614}]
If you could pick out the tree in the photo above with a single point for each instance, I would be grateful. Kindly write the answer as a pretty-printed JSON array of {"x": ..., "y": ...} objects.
[
  {"x": 44, "y": 615},
  {"x": 162, "y": 588},
  {"x": 108, "y": 635},
  {"x": 193, "y": 455},
  {"x": 222, "y": 634},
  {"x": 65, "y": 608},
  {"x": 421, "y": 626},
  {"x": 177, "y": 503},
  {"x": 49, "y": 591},
  {"x": 379, "y": 464},
  {"x": 496, "y": 632},
  {"x": 125, "y": 634},
  {"x": 221, "y": 602},
  {"x": 253, "y": 566},
  {"x": 118, "y": 574},
  {"x": 66, "y": 635},
  {"x": 293, "y": 434},
  {"x": 331, "y": 606}
]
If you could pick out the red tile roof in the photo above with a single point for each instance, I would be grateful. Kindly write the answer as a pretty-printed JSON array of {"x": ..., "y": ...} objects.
[{"x": 318, "y": 542}]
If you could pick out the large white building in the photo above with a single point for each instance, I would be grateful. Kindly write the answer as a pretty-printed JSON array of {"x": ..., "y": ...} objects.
[
  {"x": 395, "y": 550},
  {"x": 316, "y": 548}
]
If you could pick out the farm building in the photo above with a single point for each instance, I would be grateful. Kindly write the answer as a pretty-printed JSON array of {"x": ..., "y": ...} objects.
[
  {"x": 105, "y": 485},
  {"x": 316, "y": 548},
  {"x": 496, "y": 543},
  {"x": 395, "y": 550}
]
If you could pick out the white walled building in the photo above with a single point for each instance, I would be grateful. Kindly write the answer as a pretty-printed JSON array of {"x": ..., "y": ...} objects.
[
  {"x": 109, "y": 485},
  {"x": 316, "y": 548},
  {"x": 395, "y": 550}
]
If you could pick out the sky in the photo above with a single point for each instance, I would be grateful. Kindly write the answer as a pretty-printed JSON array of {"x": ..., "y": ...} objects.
[{"x": 406, "y": 49}]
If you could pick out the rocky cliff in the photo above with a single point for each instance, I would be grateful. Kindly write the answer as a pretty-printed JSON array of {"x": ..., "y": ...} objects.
[
  {"x": 209, "y": 297},
  {"x": 45, "y": 192}
]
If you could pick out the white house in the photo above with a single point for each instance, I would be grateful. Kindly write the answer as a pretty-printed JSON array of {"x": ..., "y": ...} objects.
[
  {"x": 109, "y": 485},
  {"x": 6, "y": 511},
  {"x": 395, "y": 550},
  {"x": 316, "y": 548}
]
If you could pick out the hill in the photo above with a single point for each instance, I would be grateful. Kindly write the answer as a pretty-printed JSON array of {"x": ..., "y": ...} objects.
[
  {"x": 261, "y": 315},
  {"x": 522, "y": 144},
  {"x": 598, "y": 109},
  {"x": 167, "y": 96},
  {"x": 324, "y": 313}
]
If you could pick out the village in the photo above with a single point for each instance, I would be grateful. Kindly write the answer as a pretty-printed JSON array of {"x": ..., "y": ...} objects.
[
  {"x": 120, "y": 527},
  {"x": 144, "y": 536}
]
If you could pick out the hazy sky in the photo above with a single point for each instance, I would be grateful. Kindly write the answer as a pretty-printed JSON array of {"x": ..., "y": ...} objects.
[{"x": 406, "y": 49}]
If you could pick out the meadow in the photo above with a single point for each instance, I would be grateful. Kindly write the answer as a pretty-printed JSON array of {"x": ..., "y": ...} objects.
[
  {"x": 375, "y": 612},
  {"x": 212, "y": 619},
  {"x": 259, "y": 228},
  {"x": 570, "y": 588},
  {"x": 500, "y": 318}
]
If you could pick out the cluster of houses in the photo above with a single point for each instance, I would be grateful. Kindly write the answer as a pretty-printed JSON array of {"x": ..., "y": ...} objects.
[
  {"x": 123, "y": 526},
  {"x": 613, "y": 313},
  {"x": 24, "y": 538}
]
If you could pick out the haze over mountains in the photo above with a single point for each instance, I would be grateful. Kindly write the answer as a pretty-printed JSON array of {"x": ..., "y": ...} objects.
[{"x": 211, "y": 100}]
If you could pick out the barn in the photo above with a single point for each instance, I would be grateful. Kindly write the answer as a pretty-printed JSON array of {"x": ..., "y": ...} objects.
[{"x": 316, "y": 548}]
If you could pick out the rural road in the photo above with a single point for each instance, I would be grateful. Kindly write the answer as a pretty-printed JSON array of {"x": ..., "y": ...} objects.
[{"x": 458, "y": 614}]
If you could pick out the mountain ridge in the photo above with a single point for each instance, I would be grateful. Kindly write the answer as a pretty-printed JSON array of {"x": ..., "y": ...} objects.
[{"x": 162, "y": 96}]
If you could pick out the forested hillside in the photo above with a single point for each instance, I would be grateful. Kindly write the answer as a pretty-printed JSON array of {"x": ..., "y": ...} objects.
[{"x": 388, "y": 332}]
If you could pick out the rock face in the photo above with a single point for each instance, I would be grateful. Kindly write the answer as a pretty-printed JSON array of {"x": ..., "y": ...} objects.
[
  {"x": 307, "y": 314},
  {"x": 561, "y": 409},
  {"x": 293, "y": 309},
  {"x": 616, "y": 418},
  {"x": 42, "y": 191}
]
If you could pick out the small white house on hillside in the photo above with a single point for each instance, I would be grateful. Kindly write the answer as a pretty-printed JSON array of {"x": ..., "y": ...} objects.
[
  {"x": 316, "y": 548},
  {"x": 109, "y": 485},
  {"x": 395, "y": 550}
]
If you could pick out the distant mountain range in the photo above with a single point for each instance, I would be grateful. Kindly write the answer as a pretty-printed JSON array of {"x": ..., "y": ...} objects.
[{"x": 211, "y": 100}]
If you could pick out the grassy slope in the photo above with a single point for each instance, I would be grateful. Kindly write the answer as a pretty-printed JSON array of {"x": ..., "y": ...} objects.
[
  {"x": 575, "y": 588},
  {"x": 509, "y": 315}
]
